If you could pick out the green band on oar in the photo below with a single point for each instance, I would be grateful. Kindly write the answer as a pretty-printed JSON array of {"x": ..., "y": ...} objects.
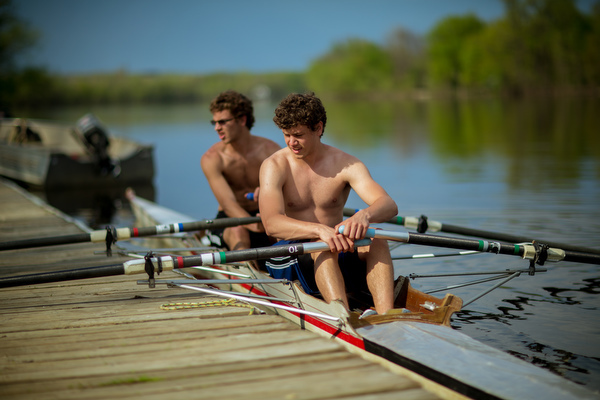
[
  {"x": 166, "y": 263},
  {"x": 423, "y": 224},
  {"x": 526, "y": 251},
  {"x": 125, "y": 233}
]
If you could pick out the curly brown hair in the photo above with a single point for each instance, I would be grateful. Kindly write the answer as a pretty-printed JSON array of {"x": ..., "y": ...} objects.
[
  {"x": 300, "y": 109},
  {"x": 237, "y": 103}
]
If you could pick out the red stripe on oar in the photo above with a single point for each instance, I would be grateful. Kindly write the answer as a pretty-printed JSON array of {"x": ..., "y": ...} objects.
[
  {"x": 135, "y": 232},
  {"x": 179, "y": 262}
]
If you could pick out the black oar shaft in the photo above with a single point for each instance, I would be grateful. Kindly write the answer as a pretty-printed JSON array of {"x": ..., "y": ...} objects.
[
  {"x": 126, "y": 233},
  {"x": 65, "y": 275},
  {"x": 505, "y": 237},
  {"x": 435, "y": 226},
  {"x": 48, "y": 241},
  {"x": 576, "y": 256},
  {"x": 166, "y": 263},
  {"x": 523, "y": 250}
]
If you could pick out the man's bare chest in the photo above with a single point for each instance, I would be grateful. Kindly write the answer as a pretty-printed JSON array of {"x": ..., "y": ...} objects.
[
  {"x": 306, "y": 189},
  {"x": 240, "y": 171}
]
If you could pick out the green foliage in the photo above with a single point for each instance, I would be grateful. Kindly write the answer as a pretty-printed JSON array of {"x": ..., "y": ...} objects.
[
  {"x": 447, "y": 41},
  {"x": 124, "y": 88},
  {"x": 350, "y": 69},
  {"x": 544, "y": 44},
  {"x": 480, "y": 59},
  {"x": 407, "y": 51},
  {"x": 537, "y": 45}
]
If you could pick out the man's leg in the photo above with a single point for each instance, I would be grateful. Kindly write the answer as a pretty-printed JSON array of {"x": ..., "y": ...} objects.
[
  {"x": 237, "y": 238},
  {"x": 329, "y": 277},
  {"x": 380, "y": 274}
]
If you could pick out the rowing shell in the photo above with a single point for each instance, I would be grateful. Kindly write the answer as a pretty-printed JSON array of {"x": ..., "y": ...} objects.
[{"x": 415, "y": 335}]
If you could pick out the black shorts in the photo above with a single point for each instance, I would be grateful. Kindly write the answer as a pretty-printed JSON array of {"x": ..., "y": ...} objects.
[
  {"x": 302, "y": 268},
  {"x": 257, "y": 239}
]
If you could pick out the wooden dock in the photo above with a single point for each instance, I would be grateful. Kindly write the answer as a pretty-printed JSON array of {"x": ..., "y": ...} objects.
[{"x": 111, "y": 338}]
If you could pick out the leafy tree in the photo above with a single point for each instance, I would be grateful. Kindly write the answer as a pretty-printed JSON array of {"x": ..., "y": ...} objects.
[
  {"x": 446, "y": 41},
  {"x": 407, "y": 51},
  {"x": 351, "y": 68},
  {"x": 480, "y": 59},
  {"x": 542, "y": 44}
]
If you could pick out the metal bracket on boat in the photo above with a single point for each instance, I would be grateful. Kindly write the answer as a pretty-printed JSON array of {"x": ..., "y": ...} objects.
[
  {"x": 149, "y": 268},
  {"x": 111, "y": 238},
  {"x": 494, "y": 247},
  {"x": 540, "y": 257},
  {"x": 423, "y": 225}
]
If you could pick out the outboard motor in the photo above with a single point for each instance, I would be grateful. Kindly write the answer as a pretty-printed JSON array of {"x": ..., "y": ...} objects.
[{"x": 97, "y": 142}]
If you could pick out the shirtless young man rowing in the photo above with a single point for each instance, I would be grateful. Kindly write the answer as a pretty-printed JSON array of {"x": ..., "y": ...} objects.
[
  {"x": 304, "y": 188},
  {"x": 231, "y": 167}
]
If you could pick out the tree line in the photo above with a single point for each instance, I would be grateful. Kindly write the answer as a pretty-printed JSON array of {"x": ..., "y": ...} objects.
[{"x": 537, "y": 46}]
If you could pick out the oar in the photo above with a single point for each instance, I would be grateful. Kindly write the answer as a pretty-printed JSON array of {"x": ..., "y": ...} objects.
[
  {"x": 535, "y": 252},
  {"x": 111, "y": 235},
  {"x": 151, "y": 264},
  {"x": 423, "y": 224}
]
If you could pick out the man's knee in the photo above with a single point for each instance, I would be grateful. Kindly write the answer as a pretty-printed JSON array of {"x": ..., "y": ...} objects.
[
  {"x": 237, "y": 236},
  {"x": 378, "y": 249}
]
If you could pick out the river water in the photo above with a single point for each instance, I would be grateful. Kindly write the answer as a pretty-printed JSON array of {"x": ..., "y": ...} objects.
[{"x": 529, "y": 168}]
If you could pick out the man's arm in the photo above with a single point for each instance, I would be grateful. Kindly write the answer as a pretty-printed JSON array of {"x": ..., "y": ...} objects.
[
  {"x": 213, "y": 171},
  {"x": 381, "y": 207}
]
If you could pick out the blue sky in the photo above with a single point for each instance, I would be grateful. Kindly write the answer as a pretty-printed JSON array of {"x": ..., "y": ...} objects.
[{"x": 196, "y": 36}]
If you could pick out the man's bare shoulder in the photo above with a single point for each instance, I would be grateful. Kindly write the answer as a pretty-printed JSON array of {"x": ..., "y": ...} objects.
[
  {"x": 338, "y": 156},
  {"x": 279, "y": 157},
  {"x": 212, "y": 156}
]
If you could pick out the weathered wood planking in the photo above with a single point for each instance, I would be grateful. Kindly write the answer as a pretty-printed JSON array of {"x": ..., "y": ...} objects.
[{"x": 109, "y": 338}]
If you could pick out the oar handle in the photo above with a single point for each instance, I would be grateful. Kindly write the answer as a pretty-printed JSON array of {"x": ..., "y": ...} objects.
[{"x": 381, "y": 234}]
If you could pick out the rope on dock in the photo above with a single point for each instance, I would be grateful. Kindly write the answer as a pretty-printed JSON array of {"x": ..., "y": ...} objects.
[{"x": 215, "y": 303}]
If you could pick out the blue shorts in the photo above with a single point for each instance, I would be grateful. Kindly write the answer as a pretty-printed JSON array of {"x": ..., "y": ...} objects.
[{"x": 301, "y": 268}]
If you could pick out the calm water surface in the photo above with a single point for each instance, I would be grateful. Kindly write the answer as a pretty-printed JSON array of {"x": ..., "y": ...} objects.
[{"x": 526, "y": 168}]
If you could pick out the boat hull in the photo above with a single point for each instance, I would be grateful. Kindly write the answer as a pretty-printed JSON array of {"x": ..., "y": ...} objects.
[{"x": 60, "y": 160}]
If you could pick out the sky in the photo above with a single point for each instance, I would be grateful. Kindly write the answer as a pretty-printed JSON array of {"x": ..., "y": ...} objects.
[{"x": 199, "y": 36}]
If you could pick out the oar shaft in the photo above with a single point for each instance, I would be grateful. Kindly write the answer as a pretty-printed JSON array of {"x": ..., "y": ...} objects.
[
  {"x": 436, "y": 226},
  {"x": 166, "y": 263},
  {"x": 126, "y": 233},
  {"x": 526, "y": 251},
  {"x": 224, "y": 257},
  {"x": 523, "y": 250},
  {"x": 47, "y": 241},
  {"x": 191, "y": 226},
  {"x": 506, "y": 237},
  {"x": 65, "y": 275}
]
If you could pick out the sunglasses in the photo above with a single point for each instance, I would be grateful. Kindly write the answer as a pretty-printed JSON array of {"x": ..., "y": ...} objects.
[{"x": 221, "y": 121}]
